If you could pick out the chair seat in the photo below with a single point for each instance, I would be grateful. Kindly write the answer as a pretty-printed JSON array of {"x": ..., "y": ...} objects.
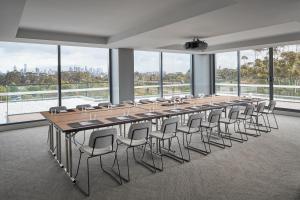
[
  {"x": 97, "y": 151},
  {"x": 127, "y": 141},
  {"x": 227, "y": 121},
  {"x": 242, "y": 116},
  {"x": 255, "y": 113},
  {"x": 208, "y": 125},
  {"x": 160, "y": 135},
  {"x": 186, "y": 129},
  {"x": 267, "y": 112}
]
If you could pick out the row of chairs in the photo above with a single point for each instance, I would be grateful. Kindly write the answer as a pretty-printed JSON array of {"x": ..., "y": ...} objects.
[{"x": 140, "y": 135}]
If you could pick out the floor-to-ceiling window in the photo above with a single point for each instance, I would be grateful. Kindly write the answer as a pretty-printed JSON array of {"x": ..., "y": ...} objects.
[
  {"x": 146, "y": 74},
  {"x": 28, "y": 81},
  {"x": 286, "y": 64},
  {"x": 254, "y": 73},
  {"x": 176, "y": 74},
  {"x": 226, "y": 73},
  {"x": 84, "y": 76}
]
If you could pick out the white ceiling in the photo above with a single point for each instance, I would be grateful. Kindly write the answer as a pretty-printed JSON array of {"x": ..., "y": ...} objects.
[{"x": 151, "y": 24}]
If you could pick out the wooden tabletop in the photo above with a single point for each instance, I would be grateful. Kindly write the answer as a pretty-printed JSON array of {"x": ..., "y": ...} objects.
[{"x": 107, "y": 117}]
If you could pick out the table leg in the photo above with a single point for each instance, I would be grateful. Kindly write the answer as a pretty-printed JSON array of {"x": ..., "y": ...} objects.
[
  {"x": 69, "y": 157},
  {"x": 58, "y": 147},
  {"x": 51, "y": 139}
]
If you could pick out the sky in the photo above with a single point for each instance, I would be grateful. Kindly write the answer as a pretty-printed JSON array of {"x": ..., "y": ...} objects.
[
  {"x": 45, "y": 57},
  {"x": 229, "y": 59},
  {"x": 146, "y": 61}
]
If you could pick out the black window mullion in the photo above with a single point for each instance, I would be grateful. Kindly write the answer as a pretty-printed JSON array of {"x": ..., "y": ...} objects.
[
  {"x": 161, "y": 74},
  {"x": 192, "y": 70},
  {"x": 238, "y": 73},
  {"x": 110, "y": 75},
  {"x": 271, "y": 74},
  {"x": 59, "y": 74}
]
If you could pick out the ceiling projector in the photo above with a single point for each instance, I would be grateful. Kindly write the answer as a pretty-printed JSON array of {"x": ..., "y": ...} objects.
[{"x": 196, "y": 44}]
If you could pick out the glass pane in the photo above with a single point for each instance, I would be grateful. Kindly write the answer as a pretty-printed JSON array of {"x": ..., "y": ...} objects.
[
  {"x": 28, "y": 81},
  {"x": 255, "y": 73},
  {"x": 176, "y": 74},
  {"x": 146, "y": 75},
  {"x": 226, "y": 73},
  {"x": 84, "y": 75},
  {"x": 287, "y": 76}
]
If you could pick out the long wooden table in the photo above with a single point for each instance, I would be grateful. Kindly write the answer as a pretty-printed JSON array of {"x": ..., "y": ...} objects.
[{"x": 73, "y": 121}]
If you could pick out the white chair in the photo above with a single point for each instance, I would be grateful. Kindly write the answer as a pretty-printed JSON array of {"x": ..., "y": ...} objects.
[
  {"x": 259, "y": 114},
  {"x": 101, "y": 142},
  {"x": 105, "y": 105},
  {"x": 192, "y": 126},
  {"x": 80, "y": 107},
  {"x": 270, "y": 111},
  {"x": 211, "y": 124},
  {"x": 167, "y": 132},
  {"x": 232, "y": 118},
  {"x": 246, "y": 118},
  {"x": 138, "y": 135},
  {"x": 161, "y": 100},
  {"x": 83, "y": 106}
]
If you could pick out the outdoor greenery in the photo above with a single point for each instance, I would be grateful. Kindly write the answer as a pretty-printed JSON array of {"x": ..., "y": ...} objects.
[
  {"x": 18, "y": 81},
  {"x": 153, "y": 79},
  {"x": 286, "y": 72}
]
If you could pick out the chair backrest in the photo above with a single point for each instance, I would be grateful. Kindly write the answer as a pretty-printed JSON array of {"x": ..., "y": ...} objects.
[
  {"x": 234, "y": 113},
  {"x": 145, "y": 101},
  {"x": 83, "y": 106},
  {"x": 261, "y": 107},
  {"x": 249, "y": 109},
  {"x": 175, "y": 98},
  {"x": 170, "y": 125},
  {"x": 189, "y": 96},
  {"x": 57, "y": 109},
  {"x": 272, "y": 105},
  {"x": 161, "y": 99},
  {"x": 214, "y": 116},
  {"x": 106, "y": 104},
  {"x": 102, "y": 138},
  {"x": 139, "y": 131},
  {"x": 194, "y": 120}
]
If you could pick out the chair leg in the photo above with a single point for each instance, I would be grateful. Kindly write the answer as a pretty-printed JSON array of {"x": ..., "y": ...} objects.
[
  {"x": 179, "y": 148},
  {"x": 150, "y": 167},
  {"x": 208, "y": 138},
  {"x": 196, "y": 149},
  {"x": 265, "y": 124},
  {"x": 78, "y": 163},
  {"x": 188, "y": 150},
  {"x": 108, "y": 173},
  {"x": 221, "y": 145},
  {"x": 88, "y": 175},
  {"x": 275, "y": 122},
  {"x": 126, "y": 179}
]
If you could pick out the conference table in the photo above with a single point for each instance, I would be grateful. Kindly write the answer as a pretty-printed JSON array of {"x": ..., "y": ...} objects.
[{"x": 69, "y": 122}]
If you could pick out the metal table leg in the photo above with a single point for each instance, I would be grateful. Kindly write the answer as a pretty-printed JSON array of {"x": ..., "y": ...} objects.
[
  {"x": 58, "y": 148},
  {"x": 69, "y": 157},
  {"x": 51, "y": 140}
]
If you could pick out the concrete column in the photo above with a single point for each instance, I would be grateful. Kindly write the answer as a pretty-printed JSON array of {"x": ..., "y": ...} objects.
[
  {"x": 202, "y": 74},
  {"x": 122, "y": 63}
]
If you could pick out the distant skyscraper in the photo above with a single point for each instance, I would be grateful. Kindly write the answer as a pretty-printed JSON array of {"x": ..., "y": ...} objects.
[{"x": 25, "y": 68}]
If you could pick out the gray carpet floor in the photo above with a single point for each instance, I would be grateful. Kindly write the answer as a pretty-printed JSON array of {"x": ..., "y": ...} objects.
[{"x": 266, "y": 167}]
